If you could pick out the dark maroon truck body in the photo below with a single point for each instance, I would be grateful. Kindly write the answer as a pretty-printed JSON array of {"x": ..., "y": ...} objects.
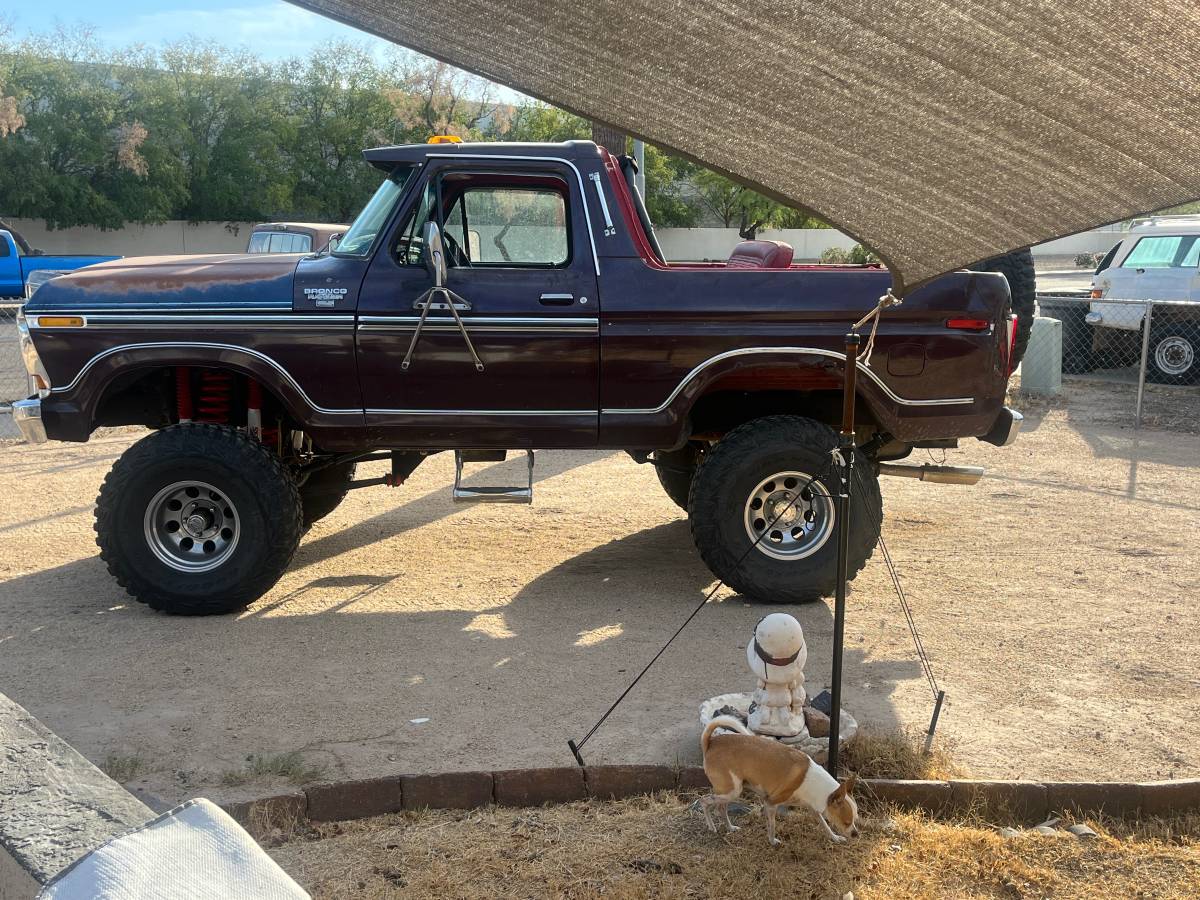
[{"x": 612, "y": 348}]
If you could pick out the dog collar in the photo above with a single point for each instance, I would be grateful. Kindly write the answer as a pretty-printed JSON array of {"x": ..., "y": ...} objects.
[{"x": 773, "y": 660}]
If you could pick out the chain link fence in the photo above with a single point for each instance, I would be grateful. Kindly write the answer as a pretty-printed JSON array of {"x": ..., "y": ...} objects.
[
  {"x": 1151, "y": 346},
  {"x": 14, "y": 383}
]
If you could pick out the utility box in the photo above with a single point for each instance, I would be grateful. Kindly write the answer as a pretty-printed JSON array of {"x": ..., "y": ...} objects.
[{"x": 1041, "y": 369}]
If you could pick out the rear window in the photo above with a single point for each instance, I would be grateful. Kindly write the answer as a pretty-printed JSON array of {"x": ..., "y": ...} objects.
[{"x": 1167, "y": 252}]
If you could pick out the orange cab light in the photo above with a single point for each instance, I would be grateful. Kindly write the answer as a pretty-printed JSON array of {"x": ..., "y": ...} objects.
[
  {"x": 969, "y": 324},
  {"x": 61, "y": 322},
  {"x": 1096, "y": 293},
  {"x": 444, "y": 139},
  {"x": 40, "y": 384}
]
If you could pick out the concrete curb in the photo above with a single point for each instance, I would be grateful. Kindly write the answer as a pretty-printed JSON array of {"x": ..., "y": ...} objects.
[{"x": 1025, "y": 801}]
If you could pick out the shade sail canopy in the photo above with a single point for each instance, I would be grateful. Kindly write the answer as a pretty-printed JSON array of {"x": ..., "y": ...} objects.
[{"x": 937, "y": 132}]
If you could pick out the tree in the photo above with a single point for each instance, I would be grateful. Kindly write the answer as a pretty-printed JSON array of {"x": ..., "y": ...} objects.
[
  {"x": 431, "y": 97},
  {"x": 750, "y": 212}
]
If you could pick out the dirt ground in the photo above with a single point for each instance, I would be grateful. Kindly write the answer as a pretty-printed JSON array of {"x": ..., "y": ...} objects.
[
  {"x": 1056, "y": 599},
  {"x": 656, "y": 847}
]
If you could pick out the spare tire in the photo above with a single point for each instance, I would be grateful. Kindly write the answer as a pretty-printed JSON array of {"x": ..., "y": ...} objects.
[{"x": 1017, "y": 267}]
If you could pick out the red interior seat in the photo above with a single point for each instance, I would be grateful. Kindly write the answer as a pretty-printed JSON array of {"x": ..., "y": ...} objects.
[{"x": 760, "y": 255}]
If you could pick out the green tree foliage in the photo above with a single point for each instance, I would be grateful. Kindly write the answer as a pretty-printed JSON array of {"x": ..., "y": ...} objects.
[{"x": 191, "y": 130}]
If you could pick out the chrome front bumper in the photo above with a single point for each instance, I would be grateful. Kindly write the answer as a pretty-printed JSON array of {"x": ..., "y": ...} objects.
[
  {"x": 1004, "y": 430},
  {"x": 27, "y": 414}
]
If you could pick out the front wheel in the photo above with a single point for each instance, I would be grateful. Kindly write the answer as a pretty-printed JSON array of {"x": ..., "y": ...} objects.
[
  {"x": 197, "y": 519},
  {"x": 763, "y": 510}
]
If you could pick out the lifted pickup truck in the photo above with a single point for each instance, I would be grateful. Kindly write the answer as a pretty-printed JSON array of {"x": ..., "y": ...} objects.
[
  {"x": 497, "y": 297},
  {"x": 23, "y": 270}
]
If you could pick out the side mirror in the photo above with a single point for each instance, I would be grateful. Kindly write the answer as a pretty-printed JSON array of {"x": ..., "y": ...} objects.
[{"x": 434, "y": 253}]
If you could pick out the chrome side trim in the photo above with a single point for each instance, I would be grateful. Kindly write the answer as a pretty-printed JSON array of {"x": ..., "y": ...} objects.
[
  {"x": 791, "y": 351},
  {"x": 148, "y": 320},
  {"x": 587, "y": 212},
  {"x": 542, "y": 325},
  {"x": 170, "y": 345},
  {"x": 481, "y": 412}
]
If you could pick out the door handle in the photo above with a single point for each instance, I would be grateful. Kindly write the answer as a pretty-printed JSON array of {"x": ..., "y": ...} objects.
[{"x": 556, "y": 299}]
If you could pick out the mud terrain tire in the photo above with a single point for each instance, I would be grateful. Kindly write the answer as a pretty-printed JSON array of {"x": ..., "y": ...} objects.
[
  {"x": 212, "y": 482},
  {"x": 1018, "y": 268},
  {"x": 762, "y": 461}
]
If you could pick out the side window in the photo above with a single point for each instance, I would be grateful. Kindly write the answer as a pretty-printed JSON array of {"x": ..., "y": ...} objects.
[
  {"x": 4, "y": 248},
  {"x": 1164, "y": 252},
  {"x": 517, "y": 226},
  {"x": 258, "y": 242}
]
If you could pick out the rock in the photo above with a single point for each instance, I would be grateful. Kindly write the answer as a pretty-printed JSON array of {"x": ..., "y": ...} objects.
[
  {"x": 1006, "y": 832},
  {"x": 1081, "y": 831},
  {"x": 1045, "y": 830},
  {"x": 817, "y": 722}
]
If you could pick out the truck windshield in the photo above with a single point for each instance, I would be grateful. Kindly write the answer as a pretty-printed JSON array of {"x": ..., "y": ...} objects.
[{"x": 359, "y": 240}]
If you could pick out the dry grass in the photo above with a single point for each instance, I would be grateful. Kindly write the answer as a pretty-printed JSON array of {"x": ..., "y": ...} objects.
[
  {"x": 657, "y": 847},
  {"x": 289, "y": 765},
  {"x": 899, "y": 754},
  {"x": 123, "y": 769}
]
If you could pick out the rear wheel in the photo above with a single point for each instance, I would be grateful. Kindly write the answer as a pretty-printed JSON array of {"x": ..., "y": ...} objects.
[
  {"x": 197, "y": 519},
  {"x": 1018, "y": 268},
  {"x": 1174, "y": 353},
  {"x": 763, "y": 513}
]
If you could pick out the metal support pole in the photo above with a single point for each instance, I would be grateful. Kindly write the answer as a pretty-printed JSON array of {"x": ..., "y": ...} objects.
[
  {"x": 639, "y": 156},
  {"x": 1146, "y": 320},
  {"x": 846, "y": 474}
]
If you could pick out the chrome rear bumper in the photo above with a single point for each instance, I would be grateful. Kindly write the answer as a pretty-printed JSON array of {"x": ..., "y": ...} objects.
[
  {"x": 1004, "y": 430},
  {"x": 27, "y": 415}
]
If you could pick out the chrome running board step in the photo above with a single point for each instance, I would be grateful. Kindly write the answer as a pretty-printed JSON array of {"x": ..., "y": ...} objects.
[{"x": 489, "y": 494}]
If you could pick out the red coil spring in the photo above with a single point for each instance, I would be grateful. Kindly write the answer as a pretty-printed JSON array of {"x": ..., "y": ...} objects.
[
  {"x": 183, "y": 394},
  {"x": 215, "y": 402}
]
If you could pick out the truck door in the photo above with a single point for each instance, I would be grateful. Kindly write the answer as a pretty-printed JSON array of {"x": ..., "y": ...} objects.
[{"x": 519, "y": 255}]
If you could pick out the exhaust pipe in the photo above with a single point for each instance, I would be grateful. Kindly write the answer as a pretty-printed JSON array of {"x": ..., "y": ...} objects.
[{"x": 935, "y": 474}]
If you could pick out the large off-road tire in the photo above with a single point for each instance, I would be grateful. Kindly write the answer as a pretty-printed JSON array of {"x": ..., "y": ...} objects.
[
  {"x": 324, "y": 491},
  {"x": 744, "y": 484},
  {"x": 675, "y": 469},
  {"x": 1174, "y": 352},
  {"x": 1018, "y": 268},
  {"x": 197, "y": 519}
]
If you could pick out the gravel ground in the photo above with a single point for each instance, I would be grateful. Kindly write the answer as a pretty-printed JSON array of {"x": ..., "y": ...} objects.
[{"x": 1056, "y": 600}]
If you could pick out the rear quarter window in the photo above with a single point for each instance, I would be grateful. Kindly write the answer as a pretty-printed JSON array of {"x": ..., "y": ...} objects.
[{"x": 1168, "y": 251}]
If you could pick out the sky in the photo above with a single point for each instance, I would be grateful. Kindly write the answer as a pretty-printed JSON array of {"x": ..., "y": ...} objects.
[{"x": 272, "y": 29}]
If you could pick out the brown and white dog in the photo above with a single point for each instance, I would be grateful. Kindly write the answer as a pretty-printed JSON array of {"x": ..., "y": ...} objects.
[{"x": 785, "y": 775}]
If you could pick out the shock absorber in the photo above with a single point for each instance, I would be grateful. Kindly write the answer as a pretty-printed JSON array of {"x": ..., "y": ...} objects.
[
  {"x": 216, "y": 397},
  {"x": 183, "y": 394}
]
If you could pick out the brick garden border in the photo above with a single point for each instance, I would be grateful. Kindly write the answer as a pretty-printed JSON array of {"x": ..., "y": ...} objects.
[{"x": 1025, "y": 801}]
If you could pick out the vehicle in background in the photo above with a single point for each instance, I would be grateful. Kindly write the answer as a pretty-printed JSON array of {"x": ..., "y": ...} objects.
[
  {"x": 1158, "y": 260},
  {"x": 294, "y": 237},
  {"x": 24, "y": 269},
  {"x": 497, "y": 297}
]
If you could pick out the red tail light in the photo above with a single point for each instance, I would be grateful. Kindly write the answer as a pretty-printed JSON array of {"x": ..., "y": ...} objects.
[{"x": 969, "y": 324}]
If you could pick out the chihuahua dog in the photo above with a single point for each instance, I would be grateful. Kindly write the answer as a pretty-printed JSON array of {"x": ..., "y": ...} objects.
[{"x": 785, "y": 775}]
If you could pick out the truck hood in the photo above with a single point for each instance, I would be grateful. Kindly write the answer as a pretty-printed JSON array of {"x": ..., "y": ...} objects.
[{"x": 227, "y": 280}]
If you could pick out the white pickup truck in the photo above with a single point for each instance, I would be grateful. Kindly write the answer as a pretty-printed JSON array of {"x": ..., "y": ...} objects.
[{"x": 1159, "y": 259}]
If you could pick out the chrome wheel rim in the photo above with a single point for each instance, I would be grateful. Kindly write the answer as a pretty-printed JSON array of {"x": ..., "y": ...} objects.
[
  {"x": 191, "y": 526},
  {"x": 785, "y": 529},
  {"x": 1174, "y": 355}
]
